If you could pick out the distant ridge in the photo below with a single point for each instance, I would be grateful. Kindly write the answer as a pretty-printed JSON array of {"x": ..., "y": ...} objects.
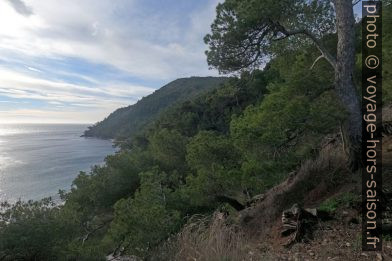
[{"x": 127, "y": 121}]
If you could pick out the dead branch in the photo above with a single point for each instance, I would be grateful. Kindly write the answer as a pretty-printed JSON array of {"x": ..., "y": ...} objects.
[
  {"x": 327, "y": 55},
  {"x": 89, "y": 233},
  {"x": 315, "y": 61}
]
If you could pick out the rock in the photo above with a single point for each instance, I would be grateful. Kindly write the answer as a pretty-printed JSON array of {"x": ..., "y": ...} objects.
[
  {"x": 348, "y": 244},
  {"x": 352, "y": 220},
  {"x": 350, "y": 217},
  {"x": 312, "y": 211},
  {"x": 379, "y": 257}
]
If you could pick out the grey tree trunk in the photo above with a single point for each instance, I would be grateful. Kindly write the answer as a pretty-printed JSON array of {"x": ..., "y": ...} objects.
[{"x": 344, "y": 82}]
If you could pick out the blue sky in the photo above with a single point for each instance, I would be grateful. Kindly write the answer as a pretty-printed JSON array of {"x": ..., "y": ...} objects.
[{"x": 77, "y": 61}]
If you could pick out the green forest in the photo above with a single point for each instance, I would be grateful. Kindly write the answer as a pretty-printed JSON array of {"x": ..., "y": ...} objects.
[
  {"x": 207, "y": 146},
  {"x": 125, "y": 122}
]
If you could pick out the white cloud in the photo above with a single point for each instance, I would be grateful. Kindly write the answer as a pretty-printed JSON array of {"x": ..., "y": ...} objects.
[
  {"x": 18, "y": 85},
  {"x": 149, "y": 46},
  {"x": 96, "y": 102},
  {"x": 48, "y": 116},
  {"x": 33, "y": 69},
  {"x": 141, "y": 46}
]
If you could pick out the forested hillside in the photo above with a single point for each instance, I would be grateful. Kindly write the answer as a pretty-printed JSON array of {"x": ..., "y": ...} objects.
[
  {"x": 127, "y": 121},
  {"x": 206, "y": 157}
]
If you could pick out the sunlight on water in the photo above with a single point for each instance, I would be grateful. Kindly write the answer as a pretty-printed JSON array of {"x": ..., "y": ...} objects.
[
  {"x": 12, "y": 129},
  {"x": 37, "y": 160},
  {"x": 4, "y": 162}
]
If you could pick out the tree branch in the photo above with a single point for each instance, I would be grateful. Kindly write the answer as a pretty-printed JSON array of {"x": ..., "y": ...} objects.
[
  {"x": 89, "y": 233},
  {"x": 315, "y": 61},
  {"x": 258, "y": 54},
  {"x": 325, "y": 53}
]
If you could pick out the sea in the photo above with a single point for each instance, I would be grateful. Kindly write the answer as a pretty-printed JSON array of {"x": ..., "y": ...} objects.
[{"x": 38, "y": 160}]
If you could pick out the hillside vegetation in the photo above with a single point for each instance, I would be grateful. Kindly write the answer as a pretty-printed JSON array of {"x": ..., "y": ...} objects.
[
  {"x": 182, "y": 186},
  {"x": 127, "y": 121}
]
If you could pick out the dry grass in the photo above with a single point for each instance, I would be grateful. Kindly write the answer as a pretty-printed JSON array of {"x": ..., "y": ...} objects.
[
  {"x": 208, "y": 239},
  {"x": 330, "y": 166},
  {"x": 212, "y": 239}
]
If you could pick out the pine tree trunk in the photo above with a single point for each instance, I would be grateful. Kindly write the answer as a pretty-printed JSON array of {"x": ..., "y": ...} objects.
[{"x": 344, "y": 80}]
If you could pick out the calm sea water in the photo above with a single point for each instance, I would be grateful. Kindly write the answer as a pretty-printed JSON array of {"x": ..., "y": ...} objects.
[{"x": 36, "y": 160}]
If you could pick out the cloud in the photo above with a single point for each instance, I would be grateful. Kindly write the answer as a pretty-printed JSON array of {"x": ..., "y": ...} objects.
[
  {"x": 61, "y": 55},
  {"x": 21, "y": 7},
  {"x": 33, "y": 69},
  {"x": 18, "y": 85},
  {"x": 48, "y": 116},
  {"x": 153, "y": 45}
]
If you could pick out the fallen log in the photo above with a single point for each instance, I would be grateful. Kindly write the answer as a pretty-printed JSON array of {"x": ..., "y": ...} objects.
[{"x": 298, "y": 223}]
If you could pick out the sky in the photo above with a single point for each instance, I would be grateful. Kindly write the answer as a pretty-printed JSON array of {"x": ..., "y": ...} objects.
[{"x": 75, "y": 61}]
